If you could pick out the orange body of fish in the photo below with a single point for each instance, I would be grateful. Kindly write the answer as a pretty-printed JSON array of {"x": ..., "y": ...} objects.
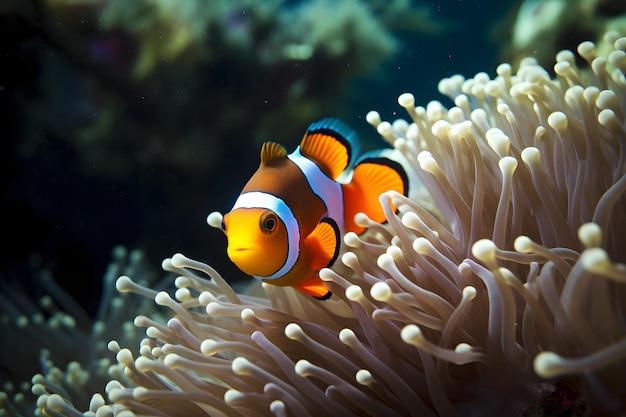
[{"x": 289, "y": 219}]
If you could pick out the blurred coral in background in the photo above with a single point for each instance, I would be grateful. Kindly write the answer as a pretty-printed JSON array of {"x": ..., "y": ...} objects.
[{"x": 540, "y": 28}]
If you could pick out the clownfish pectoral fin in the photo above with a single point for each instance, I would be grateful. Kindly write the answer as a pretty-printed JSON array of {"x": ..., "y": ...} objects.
[
  {"x": 331, "y": 144},
  {"x": 323, "y": 244},
  {"x": 314, "y": 287},
  {"x": 371, "y": 178},
  {"x": 272, "y": 150}
]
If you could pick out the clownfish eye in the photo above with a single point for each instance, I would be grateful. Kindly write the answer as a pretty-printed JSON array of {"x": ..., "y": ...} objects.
[
  {"x": 268, "y": 222},
  {"x": 223, "y": 225}
]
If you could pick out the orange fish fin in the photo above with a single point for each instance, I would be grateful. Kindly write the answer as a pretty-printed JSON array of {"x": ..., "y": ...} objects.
[
  {"x": 329, "y": 143},
  {"x": 323, "y": 243},
  {"x": 314, "y": 287},
  {"x": 371, "y": 178},
  {"x": 272, "y": 150}
]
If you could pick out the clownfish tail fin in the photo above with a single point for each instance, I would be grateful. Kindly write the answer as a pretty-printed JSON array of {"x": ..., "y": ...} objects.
[
  {"x": 331, "y": 144},
  {"x": 371, "y": 178}
]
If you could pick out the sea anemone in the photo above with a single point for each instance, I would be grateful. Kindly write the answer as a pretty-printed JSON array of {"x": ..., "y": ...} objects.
[{"x": 501, "y": 292}]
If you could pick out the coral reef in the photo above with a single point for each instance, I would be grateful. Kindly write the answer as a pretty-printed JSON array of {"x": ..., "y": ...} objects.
[
  {"x": 509, "y": 297},
  {"x": 538, "y": 28}
]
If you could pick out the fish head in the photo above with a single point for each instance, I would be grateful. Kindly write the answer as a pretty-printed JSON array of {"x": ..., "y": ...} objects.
[{"x": 257, "y": 240}]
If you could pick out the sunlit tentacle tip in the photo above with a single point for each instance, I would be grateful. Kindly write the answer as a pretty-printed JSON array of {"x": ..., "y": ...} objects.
[
  {"x": 141, "y": 393},
  {"x": 429, "y": 164},
  {"x": 248, "y": 315},
  {"x": 531, "y": 156},
  {"x": 523, "y": 244},
  {"x": 125, "y": 357},
  {"x": 608, "y": 119},
  {"x": 373, "y": 118},
  {"x": 507, "y": 165},
  {"x": 423, "y": 154},
  {"x": 401, "y": 144},
  {"x": 469, "y": 293},
  {"x": 590, "y": 234},
  {"x": 240, "y": 365},
  {"x": 354, "y": 293},
  {"x": 124, "y": 283},
  {"x": 504, "y": 70},
  {"x": 619, "y": 42},
  {"x": 348, "y": 337},
  {"x": 440, "y": 128},
  {"x": 294, "y": 332},
  {"x": 57, "y": 403},
  {"x": 277, "y": 407},
  {"x": 215, "y": 219},
  {"x": 549, "y": 365},
  {"x": 166, "y": 264},
  {"x": 96, "y": 402},
  {"x": 183, "y": 294},
  {"x": 352, "y": 240},
  {"x": 411, "y": 220},
  {"x": 595, "y": 260},
  {"x": 618, "y": 58},
  {"x": 207, "y": 347},
  {"x": 406, "y": 100},
  {"x": 463, "y": 348},
  {"x": 385, "y": 261},
  {"x": 364, "y": 377},
  {"x": 162, "y": 298},
  {"x": 179, "y": 260},
  {"x": 558, "y": 121},
  {"x": 412, "y": 335},
  {"x": 232, "y": 397},
  {"x": 113, "y": 346},
  {"x": 303, "y": 367},
  {"x": 350, "y": 259},
  {"x": 381, "y": 291},
  {"x": 422, "y": 246},
  {"x": 384, "y": 128},
  {"x": 205, "y": 298},
  {"x": 362, "y": 220},
  {"x": 484, "y": 250},
  {"x": 587, "y": 50},
  {"x": 327, "y": 275}
]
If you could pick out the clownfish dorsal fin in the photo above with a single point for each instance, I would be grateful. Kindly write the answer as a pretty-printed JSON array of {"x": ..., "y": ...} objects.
[
  {"x": 324, "y": 243},
  {"x": 272, "y": 150},
  {"x": 331, "y": 144}
]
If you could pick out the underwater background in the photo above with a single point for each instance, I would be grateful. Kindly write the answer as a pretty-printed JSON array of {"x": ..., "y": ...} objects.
[
  {"x": 126, "y": 123},
  {"x": 100, "y": 152}
]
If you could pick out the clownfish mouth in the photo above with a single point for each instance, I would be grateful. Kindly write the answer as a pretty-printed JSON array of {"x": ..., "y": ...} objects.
[
  {"x": 245, "y": 251},
  {"x": 241, "y": 248}
]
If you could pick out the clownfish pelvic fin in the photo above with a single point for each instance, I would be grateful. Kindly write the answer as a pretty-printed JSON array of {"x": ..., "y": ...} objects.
[{"x": 324, "y": 243}]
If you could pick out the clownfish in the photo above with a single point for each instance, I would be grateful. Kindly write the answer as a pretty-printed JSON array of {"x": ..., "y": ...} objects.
[{"x": 288, "y": 222}]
